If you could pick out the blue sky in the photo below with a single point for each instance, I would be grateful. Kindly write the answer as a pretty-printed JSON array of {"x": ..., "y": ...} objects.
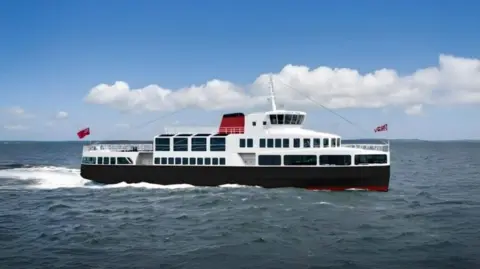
[{"x": 53, "y": 53}]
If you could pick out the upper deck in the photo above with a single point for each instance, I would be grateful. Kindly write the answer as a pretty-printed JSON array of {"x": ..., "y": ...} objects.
[{"x": 118, "y": 148}]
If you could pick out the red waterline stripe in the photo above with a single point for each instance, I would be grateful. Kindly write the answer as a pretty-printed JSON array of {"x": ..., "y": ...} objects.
[{"x": 344, "y": 188}]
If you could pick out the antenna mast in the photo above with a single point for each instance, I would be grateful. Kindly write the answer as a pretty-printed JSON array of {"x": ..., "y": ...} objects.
[{"x": 272, "y": 95}]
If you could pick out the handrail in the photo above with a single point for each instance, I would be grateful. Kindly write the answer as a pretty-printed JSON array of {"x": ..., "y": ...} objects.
[
  {"x": 379, "y": 147},
  {"x": 119, "y": 147},
  {"x": 232, "y": 130}
]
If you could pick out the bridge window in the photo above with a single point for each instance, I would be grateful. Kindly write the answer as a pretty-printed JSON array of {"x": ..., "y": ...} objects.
[
  {"x": 270, "y": 143},
  {"x": 217, "y": 144},
  {"x": 334, "y": 142},
  {"x": 193, "y": 161},
  {"x": 180, "y": 144},
  {"x": 164, "y": 160},
  {"x": 278, "y": 142},
  {"x": 316, "y": 143},
  {"x": 199, "y": 144},
  {"x": 200, "y": 161},
  {"x": 269, "y": 160},
  {"x": 300, "y": 160},
  {"x": 250, "y": 143},
  {"x": 162, "y": 144},
  {"x": 335, "y": 160},
  {"x": 262, "y": 142},
  {"x": 286, "y": 142},
  {"x": 371, "y": 159},
  {"x": 306, "y": 142},
  {"x": 296, "y": 142},
  {"x": 325, "y": 142},
  {"x": 286, "y": 119}
]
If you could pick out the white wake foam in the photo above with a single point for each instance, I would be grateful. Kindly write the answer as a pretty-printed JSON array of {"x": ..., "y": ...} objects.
[{"x": 51, "y": 177}]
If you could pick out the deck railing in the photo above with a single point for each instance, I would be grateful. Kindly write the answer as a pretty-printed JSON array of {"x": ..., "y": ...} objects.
[
  {"x": 203, "y": 129},
  {"x": 379, "y": 147},
  {"x": 119, "y": 147},
  {"x": 190, "y": 130}
]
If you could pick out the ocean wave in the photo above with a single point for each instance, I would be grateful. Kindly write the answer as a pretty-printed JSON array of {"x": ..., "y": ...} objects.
[{"x": 53, "y": 177}]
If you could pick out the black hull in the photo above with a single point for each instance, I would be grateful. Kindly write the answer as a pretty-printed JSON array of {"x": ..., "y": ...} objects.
[{"x": 373, "y": 178}]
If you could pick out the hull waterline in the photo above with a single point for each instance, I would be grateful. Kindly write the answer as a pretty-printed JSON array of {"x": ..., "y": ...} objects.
[{"x": 371, "y": 178}]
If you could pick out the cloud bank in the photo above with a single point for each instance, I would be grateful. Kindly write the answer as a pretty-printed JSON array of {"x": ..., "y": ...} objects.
[{"x": 455, "y": 80}]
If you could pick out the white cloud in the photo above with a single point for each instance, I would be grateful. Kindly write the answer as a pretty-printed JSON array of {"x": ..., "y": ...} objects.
[
  {"x": 454, "y": 81},
  {"x": 18, "y": 112},
  {"x": 61, "y": 115},
  {"x": 414, "y": 110},
  {"x": 15, "y": 127}
]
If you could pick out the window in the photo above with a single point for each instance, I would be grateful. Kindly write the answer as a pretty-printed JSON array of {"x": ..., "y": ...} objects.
[
  {"x": 338, "y": 142},
  {"x": 106, "y": 160},
  {"x": 334, "y": 142},
  {"x": 199, "y": 144},
  {"x": 300, "y": 160},
  {"x": 316, "y": 143},
  {"x": 269, "y": 160},
  {"x": 162, "y": 144},
  {"x": 215, "y": 161},
  {"x": 222, "y": 161},
  {"x": 217, "y": 144},
  {"x": 193, "y": 160},
  {"x": 164, "y": 160},
  {"x": 335, "y": 160},
  {"x": 370, "y": 159},
  {"x": 286, "y": 142},
  {"x": 171, "y": 160},
  {"x": 112, "y": 160},
  {"x": 100, "y": 160},
  {"x": 325, "y": 142},
  {"x": 184, "y": 160},
  {"x": 178, "y": 160},
  {"x": 207, "y": 161},
  {"x": 180, "y": 144},
  {"x": 270, "y": 143},
  {"x": 250, "y": 143},
  {"x": 242, "y": 143},
  {"x": 306, "y": 142},
  {"x": 122, "y": 160},
  {"x": 254, "y": 123},
  {"x": 200, "y": 161},
  {"x": 156, "y": 161},
  {"x": 89, "y": 160},
  {"x": 264, "y": 123},
  {"x": 296, "y": 142},
  {"x": 278, "y": 142},
  {"x": 262, "y": 142},
  {"x": 289, "y": 119}
]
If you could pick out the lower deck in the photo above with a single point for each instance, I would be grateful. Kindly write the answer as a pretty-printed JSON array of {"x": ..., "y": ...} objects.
[{"x": 374, "y": 178}]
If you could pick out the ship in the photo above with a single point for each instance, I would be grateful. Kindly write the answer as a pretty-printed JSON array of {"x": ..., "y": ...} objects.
[{"x": 269, "y": 149}]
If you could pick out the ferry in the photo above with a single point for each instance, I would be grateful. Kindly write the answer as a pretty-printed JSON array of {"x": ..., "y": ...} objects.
[{"x": 269, "y": 149}]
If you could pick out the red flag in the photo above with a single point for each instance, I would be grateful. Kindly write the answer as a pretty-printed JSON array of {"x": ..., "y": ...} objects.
[
  {"x": 381, "y": 128},
  {"x": 84, "y": 132}
]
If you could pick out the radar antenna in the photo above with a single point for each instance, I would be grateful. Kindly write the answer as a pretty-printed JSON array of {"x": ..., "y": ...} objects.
[{"x": 272, "y": 94}]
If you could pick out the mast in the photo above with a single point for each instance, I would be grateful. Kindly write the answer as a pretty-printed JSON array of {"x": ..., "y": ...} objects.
[{"x": 272, "y": 94}]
